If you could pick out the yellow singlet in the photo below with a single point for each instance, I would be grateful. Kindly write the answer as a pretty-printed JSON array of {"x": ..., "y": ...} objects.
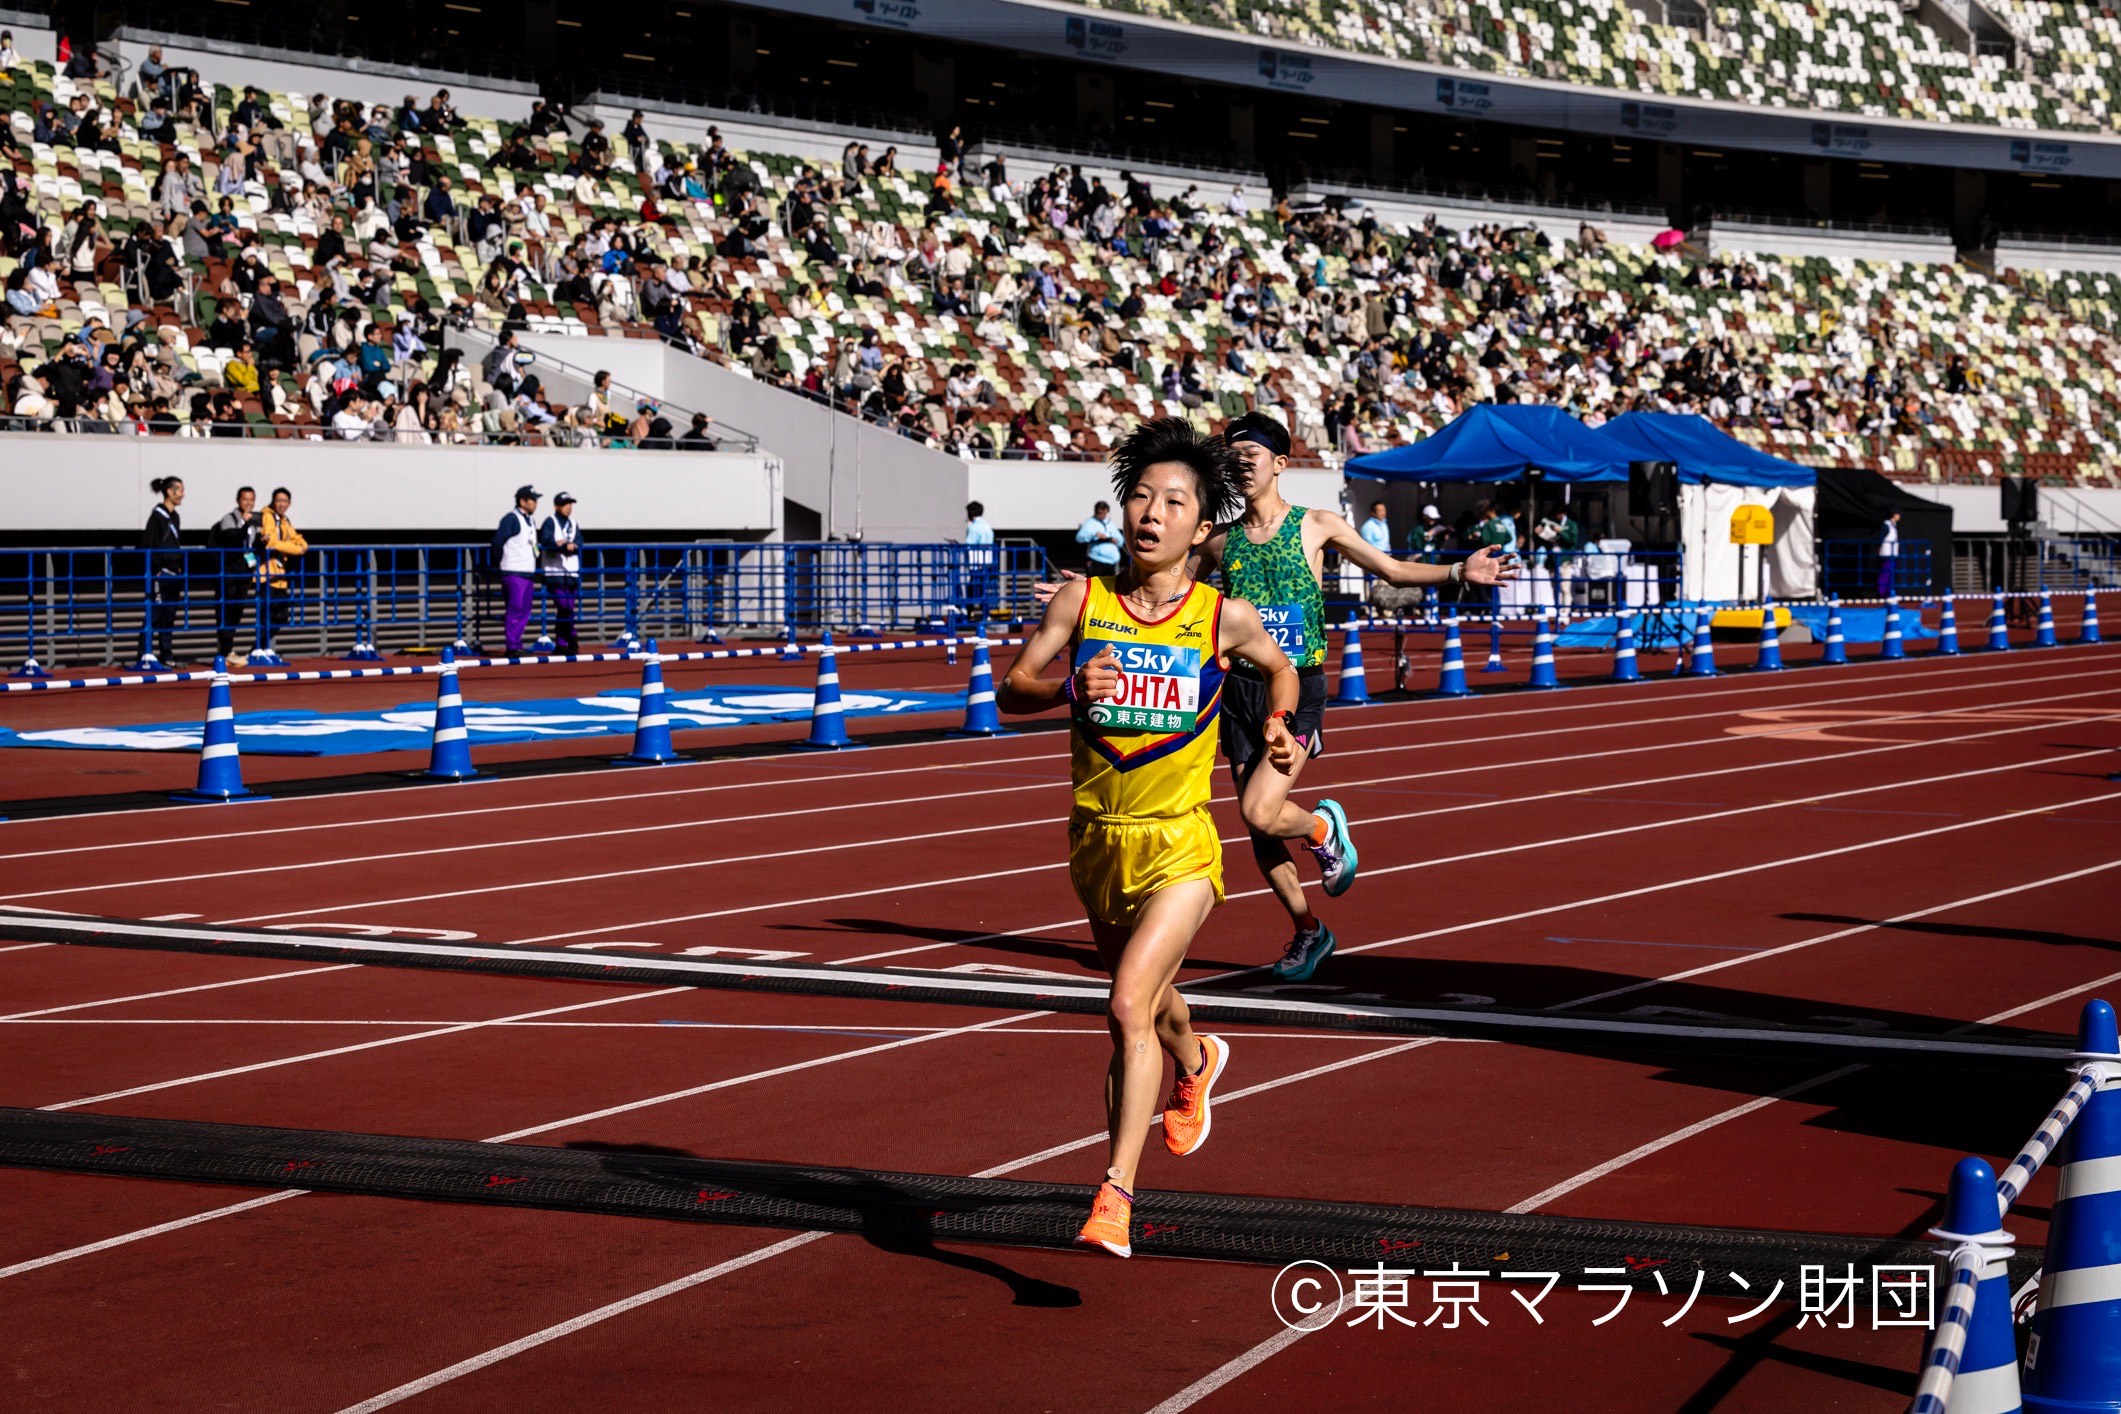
[{"x": 1144, "y": 762}]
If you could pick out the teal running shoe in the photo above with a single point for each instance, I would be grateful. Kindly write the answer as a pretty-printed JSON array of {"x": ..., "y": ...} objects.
[
  {"x": 1305, "y": 951},
  {"x": 1337, "y": 860}
]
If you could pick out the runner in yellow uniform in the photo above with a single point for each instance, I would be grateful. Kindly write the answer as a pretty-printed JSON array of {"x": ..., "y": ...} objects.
[{"x": 1149, "y": 649}]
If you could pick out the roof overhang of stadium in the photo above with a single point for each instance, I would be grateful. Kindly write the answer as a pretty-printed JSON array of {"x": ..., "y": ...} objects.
[{"x": 1213, "y": 56}]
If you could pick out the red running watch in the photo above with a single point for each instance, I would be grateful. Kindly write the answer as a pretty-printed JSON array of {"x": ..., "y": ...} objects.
[{"x": 1288, "y": 718}]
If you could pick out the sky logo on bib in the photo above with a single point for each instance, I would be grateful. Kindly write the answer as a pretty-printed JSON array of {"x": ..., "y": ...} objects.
[
  {"x": 1285, "y": 625},
  {"x": 1159, "y": 686}
]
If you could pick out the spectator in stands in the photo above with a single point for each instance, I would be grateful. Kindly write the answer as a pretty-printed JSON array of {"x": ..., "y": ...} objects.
[
  {"x": 180, "y": 186},
  {"x": 441, "y": 207},
  {"x": 649, "y": 428},
  {"x": 11, "y": 58},
  {"x": 241, "y": 371},
  {"x": 27, "y": 401},
  {"x": 272, "y": 326},
  {"x": 700, "y": 436}
]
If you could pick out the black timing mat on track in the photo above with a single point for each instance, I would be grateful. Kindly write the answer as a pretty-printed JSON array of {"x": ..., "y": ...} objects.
[
  {"x": 1567, "y": 1030},
  {"x": 901, "y": 1207}
]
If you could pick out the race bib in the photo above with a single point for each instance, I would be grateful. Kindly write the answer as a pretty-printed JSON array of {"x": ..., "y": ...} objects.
[
  {"x": 1159, "y": 687},
  {"x": 1285, "y": 625}
]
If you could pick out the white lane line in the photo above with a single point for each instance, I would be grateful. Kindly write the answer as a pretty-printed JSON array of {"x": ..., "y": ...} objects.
[
  {"x": 560, "y": 1331},
  {"x": 312, "y": 866},
  {"x": 1499, "y": 850},
  {"x": 124, "y": 1239},
  {"x": 1598, "y": 1171},
  {"x": 178, "y": 991},
  {"x": 1848, "y": 932},
  {"x": 1547, "y": 709},
  {"x": 24, "y": 947},
  {"x": 377, "y": 1044},
  {"x": 1267, "y": 1349}
]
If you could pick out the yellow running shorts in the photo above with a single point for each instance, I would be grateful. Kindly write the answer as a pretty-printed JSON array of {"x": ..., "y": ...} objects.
[{"x": 1118, "y": 862}]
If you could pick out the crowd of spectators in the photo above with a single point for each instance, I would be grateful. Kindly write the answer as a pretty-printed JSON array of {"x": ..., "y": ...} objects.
[{"x": 997, "y": 312}]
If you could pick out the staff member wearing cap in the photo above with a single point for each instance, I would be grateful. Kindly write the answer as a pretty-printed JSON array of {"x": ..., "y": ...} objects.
[
  {"x": 515, "y": 548},
  {"x": 560, "y": 560}
]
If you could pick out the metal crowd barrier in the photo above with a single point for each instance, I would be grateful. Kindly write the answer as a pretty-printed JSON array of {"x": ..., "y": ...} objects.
[{"x": 109, "y": 605}]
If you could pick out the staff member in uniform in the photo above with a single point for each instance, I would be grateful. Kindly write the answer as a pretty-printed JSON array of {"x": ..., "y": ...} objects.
[
  {"x": 233, "y": 534},
  {"x": 1888, "y": 555},
  {"x": 1102, "y": 534},
  {"x": 163, "y": 539},
  {"x": 560, "y": 561},
  {"x": 282, "y": 543},
  {"x": 515, "y": 548}
]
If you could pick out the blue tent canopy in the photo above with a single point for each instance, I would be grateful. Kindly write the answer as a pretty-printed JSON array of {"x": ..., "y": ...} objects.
[
  {"x": 1703, "y": 451},
  {"x": 1490, "y": 442},
  {"x": 1499, "y": 442}
]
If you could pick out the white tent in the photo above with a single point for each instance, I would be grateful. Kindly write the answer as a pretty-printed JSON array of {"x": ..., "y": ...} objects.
[{"x": 1712, "y": 561}]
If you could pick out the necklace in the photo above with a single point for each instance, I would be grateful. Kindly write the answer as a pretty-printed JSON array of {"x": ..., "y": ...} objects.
[{"x": 1185, "y": 587}]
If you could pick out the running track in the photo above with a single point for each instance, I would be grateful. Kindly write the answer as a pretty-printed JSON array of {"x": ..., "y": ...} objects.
[{"x": 1919, "y": 844}]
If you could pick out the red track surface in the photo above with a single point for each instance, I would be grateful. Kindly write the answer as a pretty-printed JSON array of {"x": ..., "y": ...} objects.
[{"x": 1771, "y": 837}]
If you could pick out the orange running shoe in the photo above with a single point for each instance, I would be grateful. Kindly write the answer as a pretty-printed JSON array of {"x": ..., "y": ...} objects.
[
  {"x": 1111, "y": 1224},
  {"x": 1187, "y": 1120}
]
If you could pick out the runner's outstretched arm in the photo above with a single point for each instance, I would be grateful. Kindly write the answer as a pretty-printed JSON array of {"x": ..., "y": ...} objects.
[{"x": 1487, "y": 565}]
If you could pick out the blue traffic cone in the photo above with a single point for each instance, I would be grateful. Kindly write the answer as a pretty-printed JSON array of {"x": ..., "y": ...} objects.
[
  {"x": 220, "y": 762},
  {"x": 1624, "y": 669},
  {"x": 1494, "y": 663},
  {"x": 651, "y": 722},
  {"x": 1948, "y": 629},
  {"x": 2044, "y": 634},
  {"x": 1999, "y": 631},
  {"x": 1704, "y": 661},
  {"x": 1892, "y": 645},
  {"x": 1354, "y": 684},
  {"x": 1836, "y": 651},
  {"x": 1770, "y": 659},
  {"x": 1983, "y": 1374},
  {"x": 981, "y": 716},
  {"x": 1451, "y": 678},
  {"x": 2073, "y": 1360},
  {"x": 450, "y": 758},
  {"x": 1543, "y": 678},
  {"x": 828, "y": 723},
  {"x": 2088, "y": 631}
]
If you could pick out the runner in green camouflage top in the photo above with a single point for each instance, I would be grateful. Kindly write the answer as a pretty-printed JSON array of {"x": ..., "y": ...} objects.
[
  {"x": 1274, "y": 559},
  {"x": 1277, "y": 579}
]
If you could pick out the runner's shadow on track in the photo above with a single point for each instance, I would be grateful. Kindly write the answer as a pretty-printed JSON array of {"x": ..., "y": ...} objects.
[
  {"x": 1053, "y": 949},
  {"x": 891, "y": 1220},
  {"x": 1961, "y": 930}
]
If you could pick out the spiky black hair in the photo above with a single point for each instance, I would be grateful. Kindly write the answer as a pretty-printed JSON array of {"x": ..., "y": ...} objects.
[{"x": 1215, "y": 467}]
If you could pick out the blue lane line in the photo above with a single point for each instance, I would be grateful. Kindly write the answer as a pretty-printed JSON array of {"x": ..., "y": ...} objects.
[
  {"x": 1643, "y": 943},
  {"x": 799, "y": 1030}
]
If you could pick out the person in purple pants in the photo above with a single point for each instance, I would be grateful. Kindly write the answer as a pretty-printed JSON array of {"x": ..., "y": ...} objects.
[{"x": 515, "y": 549}]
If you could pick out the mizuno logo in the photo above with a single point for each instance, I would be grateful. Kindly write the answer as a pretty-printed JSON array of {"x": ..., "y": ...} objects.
[{"x": 1188, "y": 630}]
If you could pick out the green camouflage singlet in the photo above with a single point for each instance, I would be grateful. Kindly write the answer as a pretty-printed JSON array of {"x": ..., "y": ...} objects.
[{"x": 1276, "y": 579}]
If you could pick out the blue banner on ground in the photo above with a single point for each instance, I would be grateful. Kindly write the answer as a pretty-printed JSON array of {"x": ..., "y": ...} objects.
[
  {"x": 1858, "y": 625},
  {"x": 408, "y": 728}
]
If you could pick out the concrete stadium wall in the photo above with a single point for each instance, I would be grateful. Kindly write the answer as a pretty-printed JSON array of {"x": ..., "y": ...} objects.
[
  {"x": 1736, "y": 236},
  {"x": 281, "y": 72},
  {"x": 98, "y": 485},
  {"x": 2037, "y": 255},
  {"x": 2070, "y": 510}
]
